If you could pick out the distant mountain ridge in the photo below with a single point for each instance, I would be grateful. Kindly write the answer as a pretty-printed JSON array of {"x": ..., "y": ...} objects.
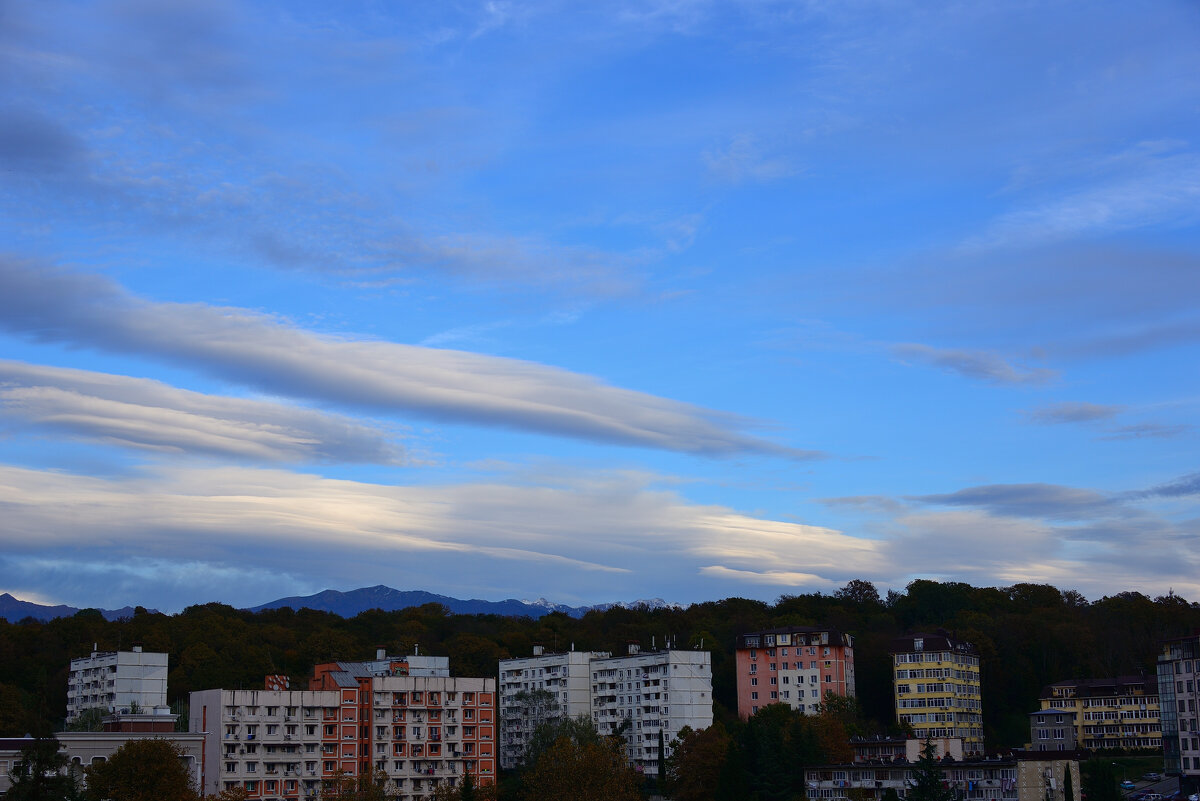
[
  {"x": 351, "y": 603},
  {"x": 14, "y": 610}
]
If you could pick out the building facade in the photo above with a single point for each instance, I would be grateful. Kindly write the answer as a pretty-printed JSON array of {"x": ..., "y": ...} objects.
[
  {"x": 647, "y": 698},
  {"x": 1121, "y": 712},
  {"x": 356, "y": 718},
  {"x": 1179, "y": 696},
  {"x": 1029, "y": 777},
  {"x": 117, "y": 680},
  {"x": 538, "y": 687},
  {"x": 796, "y": 666},
  {"x": 890, "y": 749},
  {"x": 87, "y": 748},
  {"x": 936, "y": 688}
]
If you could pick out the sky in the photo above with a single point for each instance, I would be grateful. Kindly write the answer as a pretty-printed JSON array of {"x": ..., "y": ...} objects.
[{"x": 597, "y": 302}]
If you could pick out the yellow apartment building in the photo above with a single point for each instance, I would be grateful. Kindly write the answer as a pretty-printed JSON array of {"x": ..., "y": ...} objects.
[{"x": 936, "y": 688}]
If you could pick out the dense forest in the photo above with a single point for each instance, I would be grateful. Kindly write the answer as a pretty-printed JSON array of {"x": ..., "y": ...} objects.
[{"x": 1028, "y": 636}]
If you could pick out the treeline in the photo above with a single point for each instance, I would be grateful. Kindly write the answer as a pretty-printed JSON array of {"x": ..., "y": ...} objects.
[{"x": 1028, "y": 635}]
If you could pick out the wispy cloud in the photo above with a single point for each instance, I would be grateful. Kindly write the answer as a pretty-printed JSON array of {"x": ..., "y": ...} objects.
[
  {"x": 1073, "y": 412},
  {"x": 1043, "y": 501},
  {"x": 254, "y": 350},
  {"x": 743, "y": 159},
  {"x": 1148, "y": 431},
  {"x": 976, "y": 364},
  {"x": 153, "y": 416},
  {"x": 1155, "y": 190},
  {"x": 1183, "y": 487},
  {"x": 1101, "y": 417}
]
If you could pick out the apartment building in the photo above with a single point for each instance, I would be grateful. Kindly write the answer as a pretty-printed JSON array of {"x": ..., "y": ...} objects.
[
  {"x": 1179, "y": 696},
  {"x": 117, "y": 680},
  {"x": 535, "y": 688},
  {"x": 1022, "y": 777},
  {"x": 647, "y": 698},
  {"x": 1120, "y": 712},
  {"x": 399, "y": 716},
  {"x": 936, "y": 688},
  {"x": 796, "y": 665}
]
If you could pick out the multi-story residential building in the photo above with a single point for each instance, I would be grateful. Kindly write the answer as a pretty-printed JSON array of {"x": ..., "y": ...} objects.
[
  {"x": 647, "y": 698},
  {"x": 538, "y": 687},
  {"x": 1030, "y": 776},
  {"x": 796, "y": 665},
  {"x": 1122, "y": 712},
  {"x": 1179, "y": 696},
  {"x": 936, "y": 684},
  {"x": 117, "y": 680},
  {"x": 356, "y": 718}
]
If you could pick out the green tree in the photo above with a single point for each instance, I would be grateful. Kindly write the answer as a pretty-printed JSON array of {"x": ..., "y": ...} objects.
[
  {"x": 860, "y": 592},
  {"x": 1068, "y": 785},
  {"x": 466, "y": 790},
  {"x": 591, "y": 771},
  {"x": 928, "y": 780},
  {"x": 142, "y": 770},
  {"x": 41, "y": 774},
  {"x": 345, "y": 787},
  {"x": 696, "y": 762},
  {"x": 1099, "y": 780},
  {"x": 578, "y": 730},
  {"x": 88, "y": 720}
]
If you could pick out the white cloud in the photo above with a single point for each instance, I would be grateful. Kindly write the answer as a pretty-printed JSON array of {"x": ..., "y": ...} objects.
[
  {"x": 149, "y": 415},
  {"x": 579, "y": 537},
  {"x": 587, "y": 536}
]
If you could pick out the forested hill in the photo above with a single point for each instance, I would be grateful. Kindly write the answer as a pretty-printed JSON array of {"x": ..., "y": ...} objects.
[{"x": 1028, "y": 636}]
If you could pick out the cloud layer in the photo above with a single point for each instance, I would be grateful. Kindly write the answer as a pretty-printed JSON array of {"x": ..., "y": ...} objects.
[
  {"x": 580, "y": 537},
  {"x": 449, "y": 385}
]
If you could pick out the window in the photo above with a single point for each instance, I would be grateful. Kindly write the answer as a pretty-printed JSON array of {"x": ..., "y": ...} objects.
[{"x": 753, "y": 696}]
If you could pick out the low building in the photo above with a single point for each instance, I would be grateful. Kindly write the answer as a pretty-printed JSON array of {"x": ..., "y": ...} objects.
[
  {"x": 84, "y": 749},
  {"x": 535, "y": 688},
  {"x": 356, "y": 718},
  {"x": 795, "y": 665},
  {"x": 1022, "y": 777},
  {"x": 903, "y": 749},
  {"x": 116, "y": 680},
  {"x": 1120, "y": 712}
]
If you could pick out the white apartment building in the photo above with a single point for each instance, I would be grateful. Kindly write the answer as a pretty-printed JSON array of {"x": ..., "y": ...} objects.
[
  {"x": 649, "y": 697},
  {"x": 421, "y": 731},
  {"x": 538, "y": 687},
  {"x": 117, "y": 680}
]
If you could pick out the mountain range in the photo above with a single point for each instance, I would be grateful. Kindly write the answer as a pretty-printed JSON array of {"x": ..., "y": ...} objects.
[
  {"x": 349, "y": 604},
  {"x": 14, "y": 609}
]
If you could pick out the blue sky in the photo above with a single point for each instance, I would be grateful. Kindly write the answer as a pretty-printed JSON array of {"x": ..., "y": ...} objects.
[{"x": 597, "y": 302}]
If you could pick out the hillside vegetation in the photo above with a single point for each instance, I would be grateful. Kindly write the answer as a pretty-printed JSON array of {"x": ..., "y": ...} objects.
[{"x": 1028, "y": 636}]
